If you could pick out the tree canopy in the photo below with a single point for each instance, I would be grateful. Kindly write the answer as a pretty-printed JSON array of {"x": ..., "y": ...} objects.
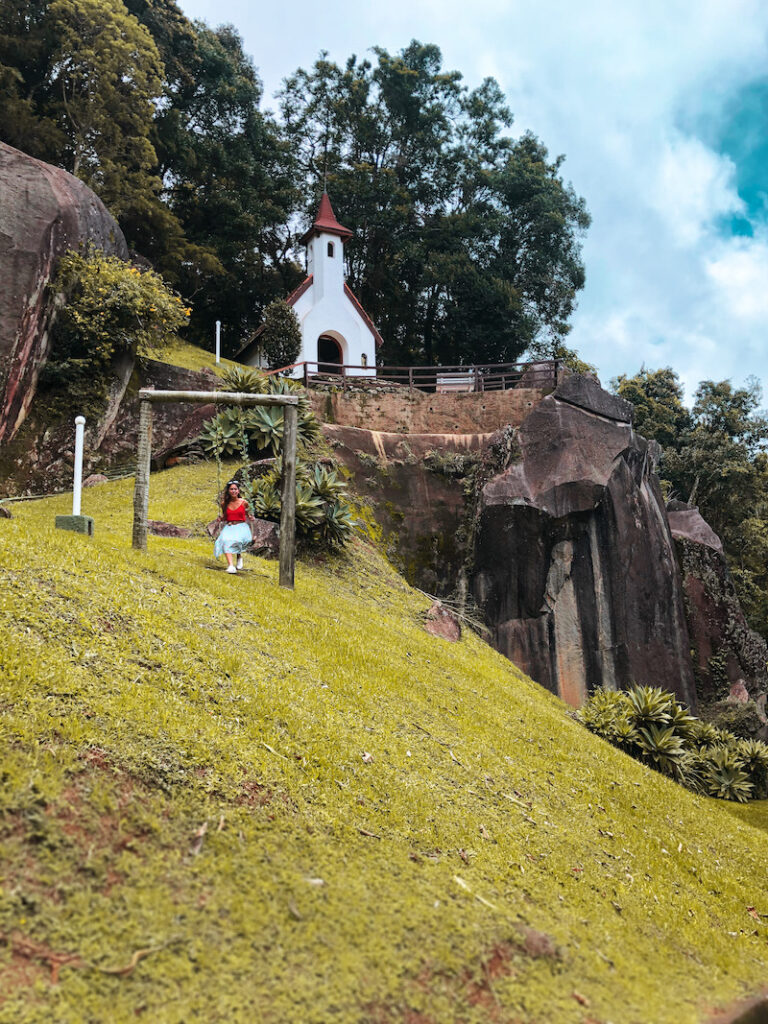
[
  {"x": 714, "y": 457},
  {"x": 466, "y": 242}
]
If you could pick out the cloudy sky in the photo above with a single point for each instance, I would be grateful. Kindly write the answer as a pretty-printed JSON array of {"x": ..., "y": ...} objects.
[{"x": 661, "y": 109}]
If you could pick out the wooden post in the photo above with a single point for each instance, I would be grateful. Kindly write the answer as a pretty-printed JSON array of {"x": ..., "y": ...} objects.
[
  {"x": 288, "y": 510},
  {"x": 306, "y": 374},
  {"x": 141, "y": 487},
  {"x": 410, "y": 379}
]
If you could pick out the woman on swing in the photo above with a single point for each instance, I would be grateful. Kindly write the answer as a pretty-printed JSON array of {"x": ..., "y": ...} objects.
[{"x": 235, "y": 535}]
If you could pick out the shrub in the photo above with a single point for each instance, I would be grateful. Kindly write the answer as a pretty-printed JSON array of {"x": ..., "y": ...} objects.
[
  {"x": 651, "y": 725},
  {"x": 111, "y": 308},
  {"x": 281, "y": 337},
  {"x": 724, "y": 775},
  {"x": 249, "y": 432},
  {"x": 324, "y": 518}
]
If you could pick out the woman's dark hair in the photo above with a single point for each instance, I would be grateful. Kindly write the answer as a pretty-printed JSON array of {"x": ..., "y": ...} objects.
[{"x": 225, "y": 492}]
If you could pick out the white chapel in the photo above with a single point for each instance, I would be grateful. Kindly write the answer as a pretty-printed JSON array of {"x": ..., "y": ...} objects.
[{"x": 335, "y": 329}]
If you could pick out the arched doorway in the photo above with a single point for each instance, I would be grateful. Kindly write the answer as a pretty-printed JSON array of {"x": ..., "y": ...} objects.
[{"x": 329, "y": 353}]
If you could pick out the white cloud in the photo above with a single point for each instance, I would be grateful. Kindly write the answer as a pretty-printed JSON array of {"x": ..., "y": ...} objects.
[
  {"x": 608, "y": 84},
  {"x": 693, "y": 188},
  {"x": 739, "y": 272}
]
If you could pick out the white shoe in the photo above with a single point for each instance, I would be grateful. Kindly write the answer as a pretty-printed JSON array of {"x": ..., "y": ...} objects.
[
  {"x": 232, "y": 569},
  {"x": 239, "y": 561}
]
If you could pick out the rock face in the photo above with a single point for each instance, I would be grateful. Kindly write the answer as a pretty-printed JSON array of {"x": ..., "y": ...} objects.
[
  {"x": 729, "y": 659},
  {"x": 414, "y": 486},
  {"x": 44, "y": 211},
  {"x": 42, "y": 458},
  {"x": 575, "y": 568}
]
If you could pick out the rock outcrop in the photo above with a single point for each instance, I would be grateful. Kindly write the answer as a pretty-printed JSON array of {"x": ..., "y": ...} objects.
[
  {"x": 729, "y": 659},
  {"x": 414, "y": 485},
  {"x": 575, "y": 569},
  {"x": 44, "y": 211}
]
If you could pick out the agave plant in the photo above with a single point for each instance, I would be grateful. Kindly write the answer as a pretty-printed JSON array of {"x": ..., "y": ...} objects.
[
  {"x": 649, "y": 705},
  {"x": 326, "y": 483},
  {"x": 662, "y": 748},
  {"x": 681, "y": 720},
  {"x": 244, "y": 379},
  {"x": 309, "y": 508},
  {"x": 702, "y": 734},
  {"x": 754, "y": 756},
  {"x": 691, "y": 770},
  {"x": 724, "y": 775},
  {"x": 338, "y": 525},
  {"x": 604, "y": 712},
  {"x": 265, "y": 426},
  {"x": 266, "y": 500},
  {"x": 222, "y": 435}
]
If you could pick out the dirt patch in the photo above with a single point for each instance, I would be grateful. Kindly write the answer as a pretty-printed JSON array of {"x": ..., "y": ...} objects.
[{"x": 475, "y": 984}]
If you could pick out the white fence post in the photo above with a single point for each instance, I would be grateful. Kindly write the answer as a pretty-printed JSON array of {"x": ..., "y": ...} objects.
[
  {"x": 77, "y": 489},
  {"x": 218, "y": 342}
]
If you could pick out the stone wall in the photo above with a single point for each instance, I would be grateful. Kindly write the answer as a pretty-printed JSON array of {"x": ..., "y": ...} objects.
[{"x": 417, "y": 412}]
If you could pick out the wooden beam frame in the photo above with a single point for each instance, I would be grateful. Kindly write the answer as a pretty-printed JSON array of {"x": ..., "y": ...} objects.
[{"x": 290, "y": 403}]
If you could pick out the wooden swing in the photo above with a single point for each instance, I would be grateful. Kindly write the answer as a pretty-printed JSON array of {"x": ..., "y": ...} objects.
[{"x": 148, "y": 396}]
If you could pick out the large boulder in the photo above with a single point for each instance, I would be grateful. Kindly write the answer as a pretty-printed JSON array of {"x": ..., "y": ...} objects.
[
  {"x": 575, "y": 569},
  {"x": 43, "y": 212},
  {"x": 729, "y": 659}
]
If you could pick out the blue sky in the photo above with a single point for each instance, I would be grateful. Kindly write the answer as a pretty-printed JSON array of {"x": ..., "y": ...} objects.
[{"x": 661, "y": 109}]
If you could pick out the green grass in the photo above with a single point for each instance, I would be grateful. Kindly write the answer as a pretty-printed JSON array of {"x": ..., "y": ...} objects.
[
  {"x": 183, "y": 773},
  {"x": 190, "y": 357}
]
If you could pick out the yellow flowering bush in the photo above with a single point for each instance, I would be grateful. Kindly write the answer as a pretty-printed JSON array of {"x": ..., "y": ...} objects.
[{"x": 111, "y": 308}]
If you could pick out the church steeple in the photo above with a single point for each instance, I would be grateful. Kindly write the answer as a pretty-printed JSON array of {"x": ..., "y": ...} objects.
[
  {"x": 325, "y": 251},
  {"x": 325, "y": 223}
]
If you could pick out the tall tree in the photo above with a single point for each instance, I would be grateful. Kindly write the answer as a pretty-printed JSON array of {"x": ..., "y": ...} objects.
[
  {"x": 714, "y": 457},
  {"x": 466, "y": 243},
  {"x": 85, "y": 76}
]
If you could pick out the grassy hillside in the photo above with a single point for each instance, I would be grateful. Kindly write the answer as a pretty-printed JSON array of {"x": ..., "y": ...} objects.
[
  {"x": 223, "y": 801},
  {"x": 191, "y": 357}
]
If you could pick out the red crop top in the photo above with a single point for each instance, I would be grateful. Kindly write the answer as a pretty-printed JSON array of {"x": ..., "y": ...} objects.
[{"x": 236, "y": 515}]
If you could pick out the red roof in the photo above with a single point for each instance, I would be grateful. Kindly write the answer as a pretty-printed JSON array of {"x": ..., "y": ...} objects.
[
  {"x": 296, "y": 294},
  {"x": 325, "y": 222}
]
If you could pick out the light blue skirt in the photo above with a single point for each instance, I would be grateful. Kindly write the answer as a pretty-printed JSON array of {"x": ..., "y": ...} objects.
[{"x": 233, "y": 539}]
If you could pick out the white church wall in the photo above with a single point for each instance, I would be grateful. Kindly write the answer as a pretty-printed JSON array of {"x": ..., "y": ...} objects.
[{"x": 325, "y": 309}]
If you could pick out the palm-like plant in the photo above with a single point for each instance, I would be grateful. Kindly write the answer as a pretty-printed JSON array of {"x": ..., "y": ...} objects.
[
  {"x": 265, "y": 425},
  {"x": 266, "y": 500},
  {"x": 650, "y": 724},
  {"x": 309, "y": 508},
  {"x": 754, "y": 756},
  {"x": 223, "y": 434},
  {"x": 327, "y": 484},
  {"x": 662, "y": 748},
  {"x": 702, "y": 734},
  {"x": 649, "y": 705},
  {"x": 244, "y": 379},
  {"x": 338, "y": 525},
  {"x": 724, "y": 775}
]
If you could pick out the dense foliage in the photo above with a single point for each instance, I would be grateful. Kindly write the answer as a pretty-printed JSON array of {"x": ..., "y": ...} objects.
[
  {"x": 281, "y": 337},
  {"x": 715, "y": 457},
  {"x": 467, "y": 242},
  {"x": 324, "y": 517},
  {"x": 650, "y": 725},
  {"x": 111, "y": 309}
]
